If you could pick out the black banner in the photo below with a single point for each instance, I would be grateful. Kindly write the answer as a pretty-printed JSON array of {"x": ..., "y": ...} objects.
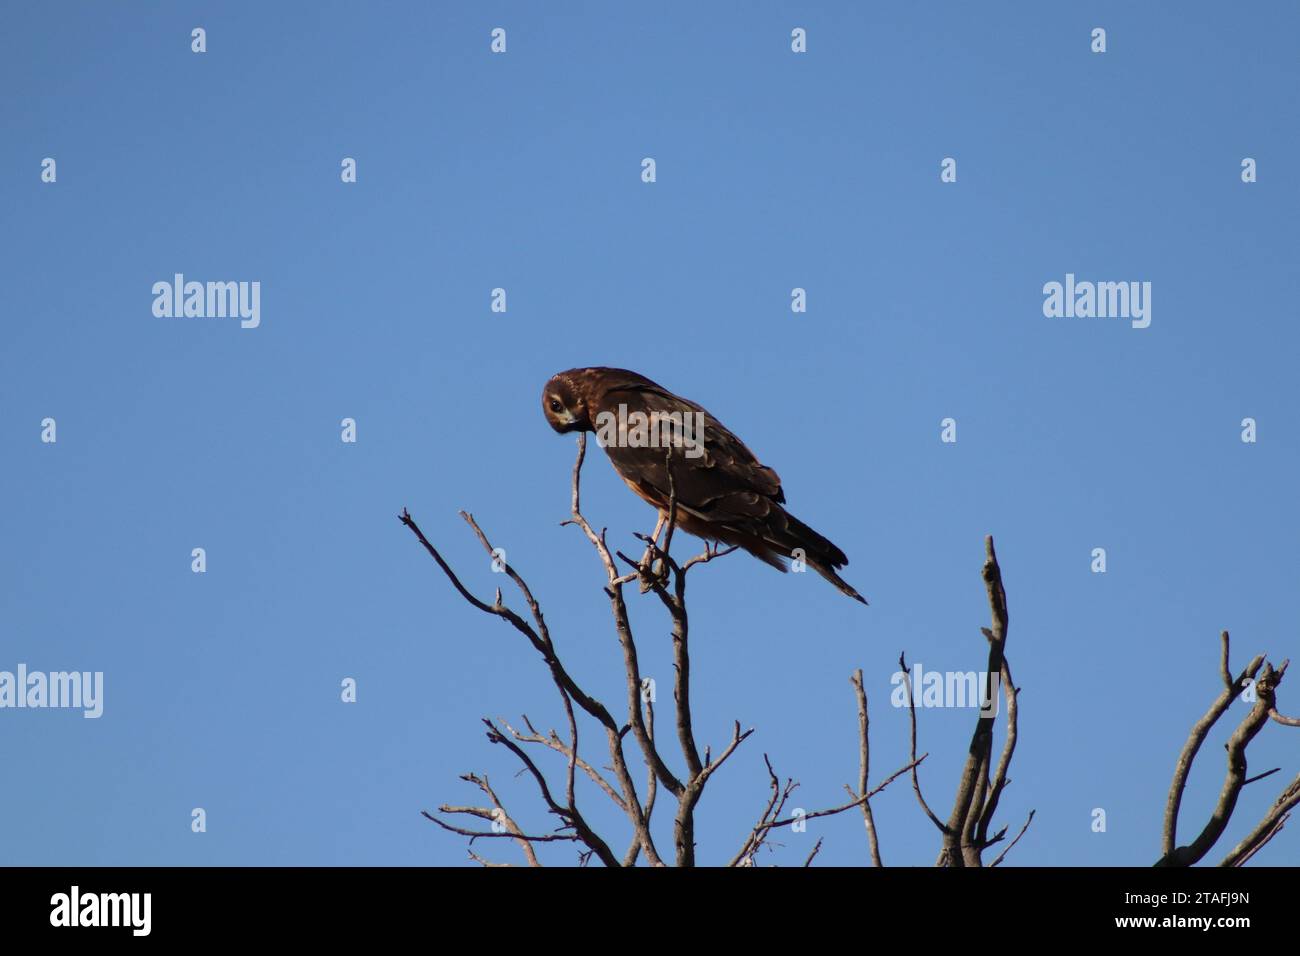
[{"x": 931, "y": 905}]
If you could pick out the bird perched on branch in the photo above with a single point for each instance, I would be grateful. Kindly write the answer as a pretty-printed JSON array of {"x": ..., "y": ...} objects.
[{"x": 722, "y": 491}]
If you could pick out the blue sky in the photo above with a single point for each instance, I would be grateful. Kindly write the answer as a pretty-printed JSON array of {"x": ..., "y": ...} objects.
[{"x": 522, "y": 171}]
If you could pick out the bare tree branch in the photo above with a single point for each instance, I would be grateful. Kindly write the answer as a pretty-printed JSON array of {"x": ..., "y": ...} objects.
[
  {"x": 771, "y": 818},
  {"x": 1003, "y": 855},
  {"x": 1235, "y": 778},
  {"x": 815, "y": 849},
  {"x": 966, "y": 833},
  {"x": 1232, "y": 689},
  {"x": 864, "y": 768},
  {"x": 911, "y": 711},
  {"x": 618, "y": 606},
  {"x": 554, "y": 742},
  {"x": 687, "y": 790},
  {"x": 540, "y": 638},
  {"x": 497, "y": 814},
  {"x": 1000, "y": 780},
  {"x": 965, "y": 836}
]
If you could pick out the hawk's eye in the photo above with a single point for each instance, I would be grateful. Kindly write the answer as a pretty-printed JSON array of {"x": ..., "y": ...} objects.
[{"x": 555, "y": 405}]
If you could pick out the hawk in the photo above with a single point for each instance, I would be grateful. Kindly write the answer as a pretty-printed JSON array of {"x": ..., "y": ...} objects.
[{"x": 723, "y": 492}]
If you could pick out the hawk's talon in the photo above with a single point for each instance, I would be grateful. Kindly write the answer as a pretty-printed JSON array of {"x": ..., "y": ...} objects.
[{"x": 654, "y": 576}]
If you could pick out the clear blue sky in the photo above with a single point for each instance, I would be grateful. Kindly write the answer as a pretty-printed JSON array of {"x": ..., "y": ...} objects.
[{"x": 522, "y": 171}]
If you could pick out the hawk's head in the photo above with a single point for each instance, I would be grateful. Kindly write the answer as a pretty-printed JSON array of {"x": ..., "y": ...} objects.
[{"x": 564, "y": 403}]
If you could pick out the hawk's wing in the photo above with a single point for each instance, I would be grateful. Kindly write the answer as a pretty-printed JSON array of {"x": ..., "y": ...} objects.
[{"x": 725, "y": 484}]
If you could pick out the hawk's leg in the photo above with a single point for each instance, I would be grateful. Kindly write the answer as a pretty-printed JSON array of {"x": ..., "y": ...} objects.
[
  {"x": 652, "y": 573},
  {"x": 659, "y": 527}
]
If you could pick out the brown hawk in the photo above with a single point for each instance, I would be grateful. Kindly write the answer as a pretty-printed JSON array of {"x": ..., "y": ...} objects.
[{"x": 723, "y": 492}]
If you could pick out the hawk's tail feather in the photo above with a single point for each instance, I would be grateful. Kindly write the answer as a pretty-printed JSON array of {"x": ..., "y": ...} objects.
[
  {"x": 814, "y": 544},
  {"x": 839, "y": 582},
  {"x": 773, "y": 541},
  {"x": 818, "y": 553}
]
